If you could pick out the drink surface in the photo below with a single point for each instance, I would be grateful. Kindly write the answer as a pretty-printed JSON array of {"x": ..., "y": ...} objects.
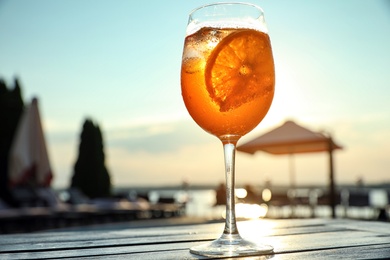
[{"x": 227, "y": 79}]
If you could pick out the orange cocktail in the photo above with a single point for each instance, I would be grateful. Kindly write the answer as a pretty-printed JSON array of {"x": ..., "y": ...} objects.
[
  {"x": 227, "y": 83},
  {"x": 227, "y": 79}
]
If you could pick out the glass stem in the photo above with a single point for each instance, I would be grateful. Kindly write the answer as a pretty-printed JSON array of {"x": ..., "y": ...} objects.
[{"x": 230, "y": 222}]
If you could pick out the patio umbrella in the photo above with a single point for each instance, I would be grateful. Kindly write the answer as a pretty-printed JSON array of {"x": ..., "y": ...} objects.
[
  {"x": 291, "y": 138},
  {"x": 28, "y": 158}
]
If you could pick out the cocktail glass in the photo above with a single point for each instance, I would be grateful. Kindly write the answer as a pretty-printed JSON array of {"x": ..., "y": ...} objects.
[{"x": 227, "y": 83}]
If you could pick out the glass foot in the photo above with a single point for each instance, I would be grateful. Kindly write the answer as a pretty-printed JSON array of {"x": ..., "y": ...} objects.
[{"x": 231, "y": 246}]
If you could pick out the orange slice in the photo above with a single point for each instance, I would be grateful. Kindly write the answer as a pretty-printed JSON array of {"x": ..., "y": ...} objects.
[{"x": 236, "y": 68}]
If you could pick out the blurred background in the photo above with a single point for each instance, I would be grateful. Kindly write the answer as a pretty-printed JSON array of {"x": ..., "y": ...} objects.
[{"x": 117, "y": 64}]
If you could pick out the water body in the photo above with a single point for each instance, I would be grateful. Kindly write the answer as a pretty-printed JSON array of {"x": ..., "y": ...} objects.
[{"x": 354, "y": 203}]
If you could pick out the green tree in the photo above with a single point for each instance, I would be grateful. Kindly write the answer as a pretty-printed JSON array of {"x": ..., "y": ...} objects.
[
  {"x": 11, "y": 109},
  {"x": 90, "y": 174}
]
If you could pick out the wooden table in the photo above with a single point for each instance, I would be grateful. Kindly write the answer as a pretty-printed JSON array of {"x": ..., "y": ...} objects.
[{"x": 291, "y": 239}]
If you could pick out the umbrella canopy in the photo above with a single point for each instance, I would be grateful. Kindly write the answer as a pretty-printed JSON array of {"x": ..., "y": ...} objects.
[
  {"x": 28, "y": 158},
  {"x": 289, "y": 138}
]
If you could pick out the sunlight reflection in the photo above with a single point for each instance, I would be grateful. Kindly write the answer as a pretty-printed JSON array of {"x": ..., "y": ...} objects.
[
  {"x": 241, "y": 193},
  {"x": 257, "y": 229},
  {"x": 266, "y": 195},
  {"x": 264, "y": 231},
  {"x": 249, "y": 211}
]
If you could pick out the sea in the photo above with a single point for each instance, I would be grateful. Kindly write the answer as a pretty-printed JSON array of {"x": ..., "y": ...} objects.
[{"x": 200, "y": 201}]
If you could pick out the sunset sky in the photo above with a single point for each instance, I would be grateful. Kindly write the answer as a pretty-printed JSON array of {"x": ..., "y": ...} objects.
[{"x": 118, "y": 63}]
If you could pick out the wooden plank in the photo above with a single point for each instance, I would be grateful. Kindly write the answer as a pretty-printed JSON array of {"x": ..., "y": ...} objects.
[
  {"x": 64, "y": 240},
  {"x": 381, "y": 251},
  {"x": 289, "y": 237},
  {"x": 105, "y": 252},
  {"x": 266, "y": 227},
  {"x": 181, "y": 251},
  {"x": 363, "y": 252},
  {"x": 285, "y": 244},
  {"x": 374, "y": 226}
]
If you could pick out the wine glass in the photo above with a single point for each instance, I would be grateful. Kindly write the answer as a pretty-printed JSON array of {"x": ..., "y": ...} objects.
[{"x": 227, "y": 84}]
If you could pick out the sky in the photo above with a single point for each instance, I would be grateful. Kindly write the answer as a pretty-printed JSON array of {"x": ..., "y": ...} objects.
[{"x": 118, "y": 63}]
